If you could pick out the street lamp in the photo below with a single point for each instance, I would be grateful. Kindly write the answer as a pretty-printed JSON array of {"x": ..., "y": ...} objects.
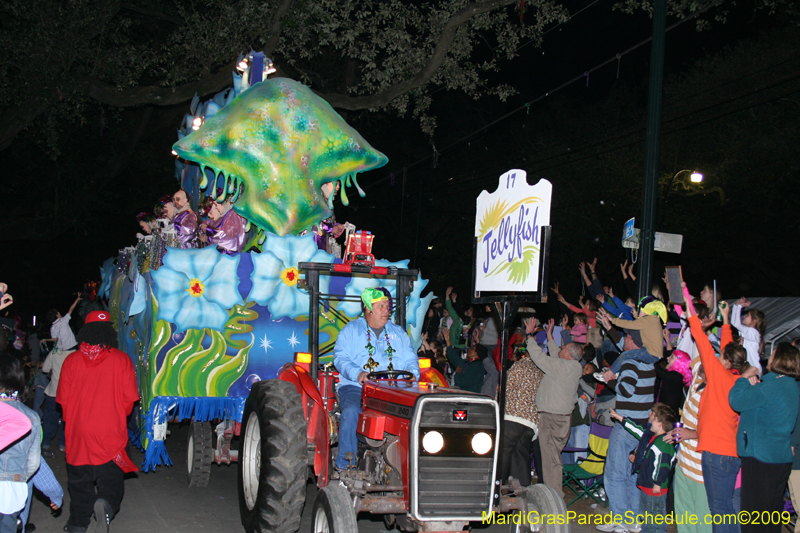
[{"x": 694, "y": 177}]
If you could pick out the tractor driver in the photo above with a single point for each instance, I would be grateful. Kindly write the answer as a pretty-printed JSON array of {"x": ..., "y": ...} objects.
[{"x": 368, "y": 344}]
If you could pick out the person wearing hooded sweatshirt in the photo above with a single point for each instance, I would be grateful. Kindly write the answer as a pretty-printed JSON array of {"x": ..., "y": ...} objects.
[{"x": 97, "y": 391}]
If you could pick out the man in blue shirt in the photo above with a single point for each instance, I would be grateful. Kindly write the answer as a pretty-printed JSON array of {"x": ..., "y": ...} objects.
[{"x": 368, "y": 339}]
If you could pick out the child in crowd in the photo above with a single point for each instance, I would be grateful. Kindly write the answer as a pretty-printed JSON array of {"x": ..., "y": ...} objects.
[
  {"x": 653, "y": 459},
  {"x": 18, "y": 463},
  {"x": 578, "y": 331},
  {"x": 751, "y": 328}
]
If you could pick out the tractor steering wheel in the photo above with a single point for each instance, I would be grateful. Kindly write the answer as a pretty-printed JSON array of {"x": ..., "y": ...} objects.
[{"x": 392, "y": 374}]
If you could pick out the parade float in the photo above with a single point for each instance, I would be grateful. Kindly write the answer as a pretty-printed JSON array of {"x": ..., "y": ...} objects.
[{"x": 203, "y": 326}]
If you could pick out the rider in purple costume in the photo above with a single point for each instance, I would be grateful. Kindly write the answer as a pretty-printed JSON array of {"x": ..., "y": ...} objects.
[
  {"x": 185, "y": 220},
  {"x": 225, "y": 228}
]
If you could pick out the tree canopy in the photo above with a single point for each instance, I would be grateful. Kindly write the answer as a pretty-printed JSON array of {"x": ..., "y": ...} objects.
[{"x": 358, "y": 54}]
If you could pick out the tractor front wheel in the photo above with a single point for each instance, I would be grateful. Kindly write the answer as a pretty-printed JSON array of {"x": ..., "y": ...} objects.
[
  {"x": 333, "y": 511},
  {"x": 272, "y": 459},
  {"x": 542, "y": 500}
]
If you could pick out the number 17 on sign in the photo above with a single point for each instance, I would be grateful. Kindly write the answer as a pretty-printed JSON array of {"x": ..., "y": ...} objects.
[{"x": 510, "y": 180}]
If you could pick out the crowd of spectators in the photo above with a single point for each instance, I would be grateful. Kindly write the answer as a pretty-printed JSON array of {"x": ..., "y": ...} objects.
[
  {"x": 81, "y": 389},
  {"x": 704, "y": 421}
]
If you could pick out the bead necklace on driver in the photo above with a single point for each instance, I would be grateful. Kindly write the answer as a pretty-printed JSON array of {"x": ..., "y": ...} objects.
[{"x": 371, "y": 363}]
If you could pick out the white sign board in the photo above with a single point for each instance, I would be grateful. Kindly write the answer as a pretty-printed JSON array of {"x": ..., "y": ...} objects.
[
  {"x": 662, "y": 242},
  {"x": 508, "y": 230}
]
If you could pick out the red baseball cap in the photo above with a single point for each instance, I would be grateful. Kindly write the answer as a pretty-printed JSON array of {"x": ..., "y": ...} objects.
[{"x": 97, "y": 316}]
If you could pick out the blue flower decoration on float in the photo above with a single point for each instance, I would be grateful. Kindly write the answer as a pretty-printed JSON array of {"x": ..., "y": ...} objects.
[
  {"x": 275, "y": 274},
  {"x": 195, "y": 288}
]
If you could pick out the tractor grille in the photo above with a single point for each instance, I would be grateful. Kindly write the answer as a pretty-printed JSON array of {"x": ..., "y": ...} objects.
[
  {"x": 456, "y": 483},
  {"x": 440, "y": 414},
  {"x": 454, "y": 486}
]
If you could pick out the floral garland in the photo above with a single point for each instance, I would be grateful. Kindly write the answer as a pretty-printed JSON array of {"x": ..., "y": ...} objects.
[{"x": 371, "y": 363}]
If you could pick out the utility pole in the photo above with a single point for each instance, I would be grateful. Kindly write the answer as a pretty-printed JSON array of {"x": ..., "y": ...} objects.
[{"x": 652, "y": 146}]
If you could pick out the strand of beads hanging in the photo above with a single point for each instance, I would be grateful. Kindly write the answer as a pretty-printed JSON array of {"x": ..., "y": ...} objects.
[
  {"x": 389, "y": 352},
  {"x": 371, "y": 363}
]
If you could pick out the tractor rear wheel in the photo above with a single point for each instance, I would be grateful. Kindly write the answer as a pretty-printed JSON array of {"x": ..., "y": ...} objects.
[
  {"x": 272, "y": 459},
  {"x": 333, "y": 511},
  {"x": 200, "y": 454},
  {"x": 543, "y": 500}
]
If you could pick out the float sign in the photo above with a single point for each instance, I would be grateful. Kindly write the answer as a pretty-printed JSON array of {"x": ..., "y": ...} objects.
[{"x": 508, "y": 233}]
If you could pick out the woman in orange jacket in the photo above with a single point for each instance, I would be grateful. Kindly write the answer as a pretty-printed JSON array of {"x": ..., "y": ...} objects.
[{"x": 718, "y": 423}]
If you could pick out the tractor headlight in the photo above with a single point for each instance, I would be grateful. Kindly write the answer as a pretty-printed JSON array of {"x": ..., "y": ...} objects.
[
  {"x": 433, "y": 442},
  {"x": 481, "y": 443}
]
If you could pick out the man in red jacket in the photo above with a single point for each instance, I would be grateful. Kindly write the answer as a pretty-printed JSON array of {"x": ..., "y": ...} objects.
[{"x": 96, "y": 391}]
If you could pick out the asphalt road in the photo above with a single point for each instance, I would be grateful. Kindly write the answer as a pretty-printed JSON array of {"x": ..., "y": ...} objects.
[{"x": 161, "y": 501}]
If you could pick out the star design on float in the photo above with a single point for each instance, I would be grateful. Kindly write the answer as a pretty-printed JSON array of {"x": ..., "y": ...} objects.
[
  {"x": 293, "y": 340},
  {"x": 266, "y": 344}
]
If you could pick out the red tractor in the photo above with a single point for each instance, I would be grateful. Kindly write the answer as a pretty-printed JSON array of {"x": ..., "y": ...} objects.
[{"x": 427, "y": 458}]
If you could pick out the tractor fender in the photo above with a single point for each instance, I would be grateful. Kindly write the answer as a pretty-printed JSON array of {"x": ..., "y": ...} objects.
[
  {"x": 302, "y": 380},
  {"x": 320, "y": 426}
]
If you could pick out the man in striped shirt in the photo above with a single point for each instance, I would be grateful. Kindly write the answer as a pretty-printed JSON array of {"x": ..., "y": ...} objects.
[
  {"x": 634, "y": 388},
  {"x": 690, "y": 493}
]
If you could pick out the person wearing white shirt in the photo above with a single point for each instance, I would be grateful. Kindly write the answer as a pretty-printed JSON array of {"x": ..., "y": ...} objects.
[{"x": 65, "y": 341}]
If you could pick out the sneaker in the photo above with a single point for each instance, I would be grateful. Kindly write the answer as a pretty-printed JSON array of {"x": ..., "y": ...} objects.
[
  {"x": 62, "y": 448},
  {"x": 48, "y": 454},
  {"x": 612, "y": 528},
  {"x": 102, "y": 515},
  {"x": 599, "y": 377}
]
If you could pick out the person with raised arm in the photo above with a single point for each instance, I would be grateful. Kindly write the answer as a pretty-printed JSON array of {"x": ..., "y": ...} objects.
[
  {"x": 718, "y": 422},
  {"x": 555, "y": 398}
]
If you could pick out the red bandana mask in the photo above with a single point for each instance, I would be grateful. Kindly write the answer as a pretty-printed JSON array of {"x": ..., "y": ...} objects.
[{"x": 90, "y": 350}]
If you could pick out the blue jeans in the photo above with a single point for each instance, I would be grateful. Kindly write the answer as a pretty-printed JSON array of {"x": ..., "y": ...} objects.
[
  {"x": 38, "y": 401},
  {"x": 623, "y": 494},
  {"x": 51, "y": 422},
  {"x": 8, "y": 522},
  {"x": 655, "y": 506},
  {"x": 350, "y": 405},
  {"x": 719, "y": 476}
]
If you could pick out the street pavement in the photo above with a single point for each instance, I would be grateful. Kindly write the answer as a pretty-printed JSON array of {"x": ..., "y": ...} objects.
[{"x": 161, "y": 501}]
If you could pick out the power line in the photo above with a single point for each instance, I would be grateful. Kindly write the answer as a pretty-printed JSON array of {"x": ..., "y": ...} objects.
[{"x": 490, "y": 173}]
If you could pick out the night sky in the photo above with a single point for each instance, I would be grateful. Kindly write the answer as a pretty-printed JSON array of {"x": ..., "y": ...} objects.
[{"x": 431, "y": 223}]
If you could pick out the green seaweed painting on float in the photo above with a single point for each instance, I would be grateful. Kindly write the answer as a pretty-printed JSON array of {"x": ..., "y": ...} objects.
[{"x": 200, "y": 364}]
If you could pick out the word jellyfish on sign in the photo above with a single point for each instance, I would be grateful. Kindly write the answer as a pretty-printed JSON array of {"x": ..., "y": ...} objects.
[{"x": 507, "y": 228}]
